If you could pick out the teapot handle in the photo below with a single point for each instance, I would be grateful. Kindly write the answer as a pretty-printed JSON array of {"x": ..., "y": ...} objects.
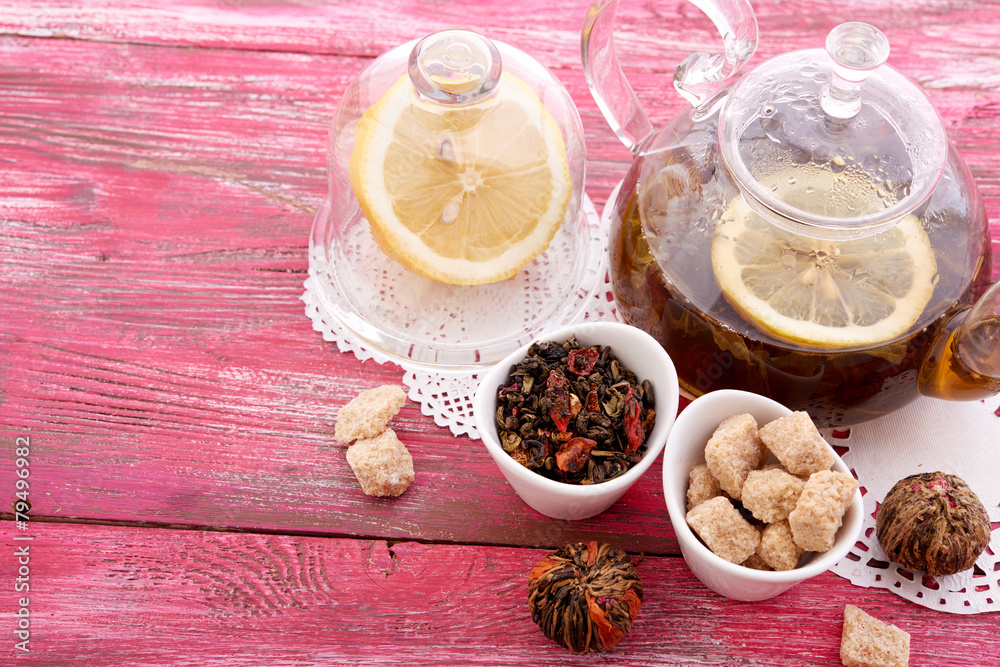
[{"x": 700, "y": 78}]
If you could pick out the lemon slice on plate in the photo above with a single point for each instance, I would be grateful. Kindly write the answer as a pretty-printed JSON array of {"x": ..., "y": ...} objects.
[
  {"x": 824, "y": 293},
  {"x": 462, "y": 195}
]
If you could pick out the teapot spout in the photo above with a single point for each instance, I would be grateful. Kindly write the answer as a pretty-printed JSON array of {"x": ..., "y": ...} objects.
[
  {"x": 700, "y": 78},
  {"x": 964, "y": 362}
]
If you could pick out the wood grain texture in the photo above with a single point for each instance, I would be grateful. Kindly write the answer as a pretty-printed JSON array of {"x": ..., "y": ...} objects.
[
  {"x": 156, "y": 225},
  {"x": 167, "y": 597},
  {"x": 160, "y": 165},
  {"x": 950, "y": 47}
]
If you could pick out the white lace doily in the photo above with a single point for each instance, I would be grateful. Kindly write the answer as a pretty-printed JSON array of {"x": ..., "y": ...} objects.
[
  {"x": 928, "y": 435},
  {"x": 446, "y": 395}
]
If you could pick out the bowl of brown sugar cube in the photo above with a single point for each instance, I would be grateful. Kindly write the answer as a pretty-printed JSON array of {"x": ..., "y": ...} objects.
[{"x": 758, "y": 499}]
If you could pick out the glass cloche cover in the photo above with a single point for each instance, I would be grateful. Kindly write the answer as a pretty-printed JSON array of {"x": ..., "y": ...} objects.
[{"x": 456, "y": 228}]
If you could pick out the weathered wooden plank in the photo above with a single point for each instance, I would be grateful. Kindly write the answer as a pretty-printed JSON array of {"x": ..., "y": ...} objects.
[
  {"x": 932, "y": 45},
  {"x": 949, "y": 48},
  {"x": 155, "y": 206},
  {"x": 153, "y": 342},
  {"x": 103, "y": 595},
  {"x": 937, "y": 31},
  {"x": 154, "y": 255}
]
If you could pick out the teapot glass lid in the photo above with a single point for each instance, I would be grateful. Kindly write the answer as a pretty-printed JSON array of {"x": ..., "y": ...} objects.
[{"x": 833, "y": 139}]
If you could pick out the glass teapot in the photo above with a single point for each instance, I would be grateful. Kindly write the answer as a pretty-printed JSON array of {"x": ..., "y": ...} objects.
[{"x": 804, "y": 231}]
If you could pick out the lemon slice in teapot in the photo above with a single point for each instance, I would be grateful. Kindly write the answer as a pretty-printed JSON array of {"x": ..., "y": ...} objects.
[
  {"x": 466, "y": 195},
  {"x": 823, "y": 293}
]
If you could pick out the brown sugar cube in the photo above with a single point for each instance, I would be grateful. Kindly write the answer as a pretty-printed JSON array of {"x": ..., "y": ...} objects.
[
  {"x": 723, "y": 530},
  {"x": 382, "y": 464},
  {"x": 820, "y": 510},
  {"x": 795, "y": 441},
  {"x": 869, "y": 642},
  {"x": 771, "y": 494},
  {"x": 733, "y": 451},
  {"x": 366, "y": 415},
  {"x": 702, "y": 485},
  {"x": 777, "y": 548},
  {"x": 755, "y": 562},
  {"x": 778, "y": 466}
]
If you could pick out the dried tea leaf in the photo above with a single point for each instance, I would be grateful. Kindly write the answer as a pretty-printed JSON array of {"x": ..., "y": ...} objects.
[
  {"x": 614, "y": 403},
  {"x": 510, "y": 441},
  {"x": 574, "y": 454}
]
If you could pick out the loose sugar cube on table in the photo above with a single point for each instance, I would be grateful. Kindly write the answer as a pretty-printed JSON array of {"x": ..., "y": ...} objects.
[
  {"x": 868, "y": 642},
  {"x": 733, "y": 451},
  {"x": 771, "y": 494},
  {"x": 366, "y": 415},
  {"x": 723, "y": 529},
  {"x": 819, "y": 512},
  {"x": 382, "y": 464},
  {"x": 795, "y": 441}
]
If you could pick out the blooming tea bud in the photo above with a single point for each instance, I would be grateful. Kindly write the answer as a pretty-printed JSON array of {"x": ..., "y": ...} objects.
[
  {"x": 585, "y": 596},
  {"x": 932, "y": 523}
]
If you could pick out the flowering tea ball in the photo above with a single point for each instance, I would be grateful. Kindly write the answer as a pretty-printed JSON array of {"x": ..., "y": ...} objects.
[
  {"x": 932, "y": 523},
  {"x": 585, "y": 597}
]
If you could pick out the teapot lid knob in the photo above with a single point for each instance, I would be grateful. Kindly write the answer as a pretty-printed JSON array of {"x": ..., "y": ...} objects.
[{"x": 857, "y": 50}]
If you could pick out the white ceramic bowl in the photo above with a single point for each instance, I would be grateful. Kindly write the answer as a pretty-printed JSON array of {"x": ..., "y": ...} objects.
[
  {"x": 637, "y": 351},
  {"x": 685, "y": 449}
]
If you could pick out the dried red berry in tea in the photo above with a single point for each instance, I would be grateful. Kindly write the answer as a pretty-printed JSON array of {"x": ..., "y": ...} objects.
[
  {"x": 633, "y": 421},
  {"x": 581, "y": 361},
  {"x": 573, "y": 454},
  {"x": 563, "y": 396},
  {"x": 585, "y": 597},
  {"x": 557, "y": 396}
]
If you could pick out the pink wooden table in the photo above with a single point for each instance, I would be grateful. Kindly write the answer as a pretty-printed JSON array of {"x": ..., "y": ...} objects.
[{"x": 160, "y": 166}]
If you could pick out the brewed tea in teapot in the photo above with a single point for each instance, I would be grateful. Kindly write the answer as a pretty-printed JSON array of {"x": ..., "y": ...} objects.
[{"x": 803, "y": 231}]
